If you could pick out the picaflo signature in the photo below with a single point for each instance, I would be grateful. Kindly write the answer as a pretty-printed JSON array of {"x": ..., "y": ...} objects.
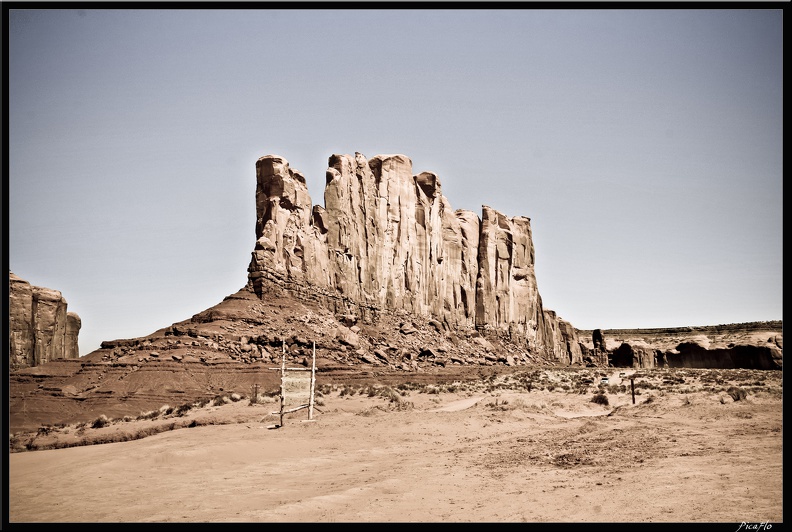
[{"x": 754, "y": 526}]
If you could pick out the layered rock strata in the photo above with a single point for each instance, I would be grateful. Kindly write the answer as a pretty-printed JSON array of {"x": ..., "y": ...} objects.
[
  {"x": 387, "y": 240},
  {"x": 40, "y": 327}
]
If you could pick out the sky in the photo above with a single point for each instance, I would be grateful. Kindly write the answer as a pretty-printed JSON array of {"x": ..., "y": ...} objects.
[{"x": 645, "y": 145}]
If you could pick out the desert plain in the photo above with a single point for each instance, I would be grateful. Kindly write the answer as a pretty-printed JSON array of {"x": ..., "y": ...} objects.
[{"x": 533, "y": 446}]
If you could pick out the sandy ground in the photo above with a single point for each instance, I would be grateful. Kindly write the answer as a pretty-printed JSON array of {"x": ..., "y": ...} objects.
[{"x": 536, "y": 456}]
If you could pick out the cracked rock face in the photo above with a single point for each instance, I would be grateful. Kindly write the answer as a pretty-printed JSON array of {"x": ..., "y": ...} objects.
[
  {"x": 388, "y": 240},
  {"x": 40, "y": 328}
]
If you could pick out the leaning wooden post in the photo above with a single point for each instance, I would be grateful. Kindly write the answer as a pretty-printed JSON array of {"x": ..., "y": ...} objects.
[
  {"x": 313, "y": 383},
  {"x": 283, "y": 383},
  {"x": 632, "y": 387}
]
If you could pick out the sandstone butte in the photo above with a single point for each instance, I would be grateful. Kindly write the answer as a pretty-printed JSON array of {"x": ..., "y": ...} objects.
[
  {"x": 386, "y": 249},
  {"x": 40, "y": 327},
  {"x": 388, "y": 240}
]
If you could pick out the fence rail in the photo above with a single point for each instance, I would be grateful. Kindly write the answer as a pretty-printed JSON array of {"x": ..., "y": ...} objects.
[{"x": 295, "y": 387}]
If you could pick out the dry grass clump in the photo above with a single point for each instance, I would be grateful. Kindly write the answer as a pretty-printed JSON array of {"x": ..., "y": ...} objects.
[
  {"x": 505, "y": 404},
  {"x": 737, "y": 394}
]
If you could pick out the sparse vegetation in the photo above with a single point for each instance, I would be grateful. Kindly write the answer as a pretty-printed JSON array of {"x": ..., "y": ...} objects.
[
  {"x": 600, "y": 399},
  {"x": 666, "y": 383}
]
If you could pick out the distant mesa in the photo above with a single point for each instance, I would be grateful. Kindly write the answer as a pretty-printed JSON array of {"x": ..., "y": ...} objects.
[{"x": 40, "y": 328}]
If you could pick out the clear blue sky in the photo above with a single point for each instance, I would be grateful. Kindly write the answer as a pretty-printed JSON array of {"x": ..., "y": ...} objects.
[{"x": 645, "y": 146}]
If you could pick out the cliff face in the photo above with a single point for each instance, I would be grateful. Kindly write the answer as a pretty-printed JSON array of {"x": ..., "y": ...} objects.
[
  {"x": 40, "y": 328},
  {"x": 755, "y": 345},
  {"x": 388, "y": 241}
]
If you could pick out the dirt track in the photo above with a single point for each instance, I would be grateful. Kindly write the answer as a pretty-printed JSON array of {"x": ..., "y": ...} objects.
[{"x": 451, "y": 457}]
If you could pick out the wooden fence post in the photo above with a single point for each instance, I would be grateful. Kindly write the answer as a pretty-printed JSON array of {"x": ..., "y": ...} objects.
[
  {"x": 632, "y": 387},
  {"x": 313, "y": 383},
  {"x": 283, "y": 382}
]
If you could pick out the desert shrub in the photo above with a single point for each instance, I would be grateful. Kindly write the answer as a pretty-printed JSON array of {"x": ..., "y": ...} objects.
[
  {"x": 401, "y": 406},
  {"x": 100, "y": 422},
  {"x": 389, "y": 393},
  {"x": 408, "y": 386},
  {"x": 202, "y": 402},
  {"x": 516, "y": 404},
  {"x": 738, "y": 394},
  {"x": 550, "y": 387},
  {"x": 220, "y": 400},
  {"x": 183, "y": 409},
  {"x": 600, "y": 399},
  {"x": 152, "y": 414},
  {"x": 346, "y": 390},
  {"x": 236, "y": 397},
  {"x": 371, "y": 411}
]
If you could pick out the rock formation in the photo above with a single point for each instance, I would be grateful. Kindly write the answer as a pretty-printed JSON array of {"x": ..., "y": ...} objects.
[
  {"x": 693, "y": 355},
  {"x": 637, "y": 355},
  {"x": 753, "y": 345},
  {"x": 40, "y": 328},
  {"x": 388, "y": 241}
]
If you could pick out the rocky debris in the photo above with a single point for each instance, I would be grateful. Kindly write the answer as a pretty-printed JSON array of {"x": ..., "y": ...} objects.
[
  {"x": 388, "y": 241},
  {"x": 40, "y": 327}
]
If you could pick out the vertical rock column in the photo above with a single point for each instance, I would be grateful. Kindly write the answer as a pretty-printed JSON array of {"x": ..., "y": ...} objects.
[
  {"x": 347, "y": 243},
  {"x": 286, "y": 242},
  {"x": 72, "y": 346},
  {"x": 507, "y": 298},
  {"x": 49, "y": 325},
  {"x": 396, "y": 204},
  {"x": 20, "y": 323}
]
